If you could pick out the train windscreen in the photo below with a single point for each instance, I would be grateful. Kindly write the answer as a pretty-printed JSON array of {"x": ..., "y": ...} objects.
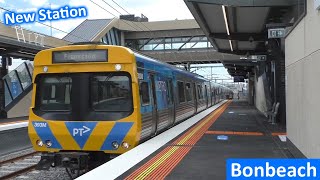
[
  {"x": 84, "y": 96},
  {"x": 111, "y": 92}
]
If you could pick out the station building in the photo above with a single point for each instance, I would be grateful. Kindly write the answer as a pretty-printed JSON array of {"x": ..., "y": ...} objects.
[{"x": 302, "y": 90}]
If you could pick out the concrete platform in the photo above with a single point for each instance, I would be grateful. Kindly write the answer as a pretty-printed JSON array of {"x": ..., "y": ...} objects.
[
  {"x": 13, "y": 120},
  {"x": 13, "y": 123},
  {"x": 199, "y": 154},
  {"x": 14, "y": 135}
]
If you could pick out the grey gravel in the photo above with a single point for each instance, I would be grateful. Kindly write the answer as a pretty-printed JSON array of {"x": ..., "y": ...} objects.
[
  {"x": 16, "y": 154},
  {"x": 52, "y": 174}
]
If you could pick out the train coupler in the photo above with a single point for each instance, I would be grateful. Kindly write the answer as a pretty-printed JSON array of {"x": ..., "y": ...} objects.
[{"x": 71, "y": 160}]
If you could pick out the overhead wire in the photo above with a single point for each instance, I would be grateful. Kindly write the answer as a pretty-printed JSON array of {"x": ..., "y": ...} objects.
[
  {"x": 151, "y": 35},
  {"x": 120, "y": 6},
  {"x": 122, "y": 14},
  {"x": 111, "y": 7},
  {"x": 174, "y": 54},
  {"x": 128, "y": 13},
  {"x": 112, "y": 14}
]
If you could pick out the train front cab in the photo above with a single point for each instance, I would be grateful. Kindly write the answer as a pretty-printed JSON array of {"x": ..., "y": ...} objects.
[{"x": 83, "y": 109}]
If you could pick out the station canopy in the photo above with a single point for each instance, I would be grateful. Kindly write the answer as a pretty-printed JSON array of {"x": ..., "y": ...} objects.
[{"x": 240, "y": 27}]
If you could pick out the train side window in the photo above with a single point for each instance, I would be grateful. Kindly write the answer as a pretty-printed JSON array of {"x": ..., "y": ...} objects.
[
  {"x": 144, "y": 93},
  {"x": 181, "y": 92},
  {"x": 188, "y": 92},
  {"x": 169, "y": 92},
  {"x": 200, "y": 95}
]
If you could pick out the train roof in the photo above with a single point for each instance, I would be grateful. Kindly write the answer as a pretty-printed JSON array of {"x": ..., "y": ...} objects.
[{"x": 171, "y": 67}]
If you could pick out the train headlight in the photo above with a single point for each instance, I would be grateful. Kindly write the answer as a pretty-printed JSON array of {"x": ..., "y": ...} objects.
[
  {"x": 48, "y": 143},
  {"x": 115, "y": 145},
  {"x": 118, "y": 67},
  {"x": 39, "y": 143},
  {"x": 125, "y": 145},
  {"x": 45, "y": 69}
]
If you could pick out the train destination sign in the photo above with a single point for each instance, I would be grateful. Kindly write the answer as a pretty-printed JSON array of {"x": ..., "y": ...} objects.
[{"x": 80, "y": 56}]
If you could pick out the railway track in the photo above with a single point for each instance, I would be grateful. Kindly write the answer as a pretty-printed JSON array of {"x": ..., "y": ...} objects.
[{"x": 19, "y": 165}]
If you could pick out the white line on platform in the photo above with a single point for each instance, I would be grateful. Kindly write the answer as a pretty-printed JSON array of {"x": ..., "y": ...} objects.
[
  {"x": 13, "y": 126},
  {"x": 124, "y": 162}
]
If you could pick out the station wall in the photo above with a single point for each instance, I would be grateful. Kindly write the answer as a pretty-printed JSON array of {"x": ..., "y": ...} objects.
[{"x": 302, "y": 84}]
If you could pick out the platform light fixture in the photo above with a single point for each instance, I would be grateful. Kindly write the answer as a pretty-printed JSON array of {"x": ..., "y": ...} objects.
[{"x": 227, "y": 24}]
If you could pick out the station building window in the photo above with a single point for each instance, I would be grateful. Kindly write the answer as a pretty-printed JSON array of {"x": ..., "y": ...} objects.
[{"x": 165, "y": 43}]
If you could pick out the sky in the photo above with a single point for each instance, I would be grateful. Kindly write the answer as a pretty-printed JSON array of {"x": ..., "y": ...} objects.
[{"x": 155, "y": 10}]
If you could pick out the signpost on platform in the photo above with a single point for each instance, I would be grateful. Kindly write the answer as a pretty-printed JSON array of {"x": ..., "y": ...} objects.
[
  {"x": 276, "y": 33},
  {"x": 258, "y": 57},
  {"x": 14, "y": 88},
  {"x": 238, "y": 79}
]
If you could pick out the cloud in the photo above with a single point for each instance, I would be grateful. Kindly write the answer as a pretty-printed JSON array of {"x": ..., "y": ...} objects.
[
  {"x": 59, "y": 35},
  {"x": 2, "y": 1},
  {"x": 94, "y": 11},
  {"x": 26, "y": 10},
  {"x": 38, "y": 3},
  {"x": 158, "y": 10}
]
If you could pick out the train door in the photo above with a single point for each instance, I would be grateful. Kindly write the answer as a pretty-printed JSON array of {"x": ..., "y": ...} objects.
[
  {"x": 211, "y": 95},
  {"x": 154, "y": 105},
  {"x": 195, "y": 97},
  {"x": 206, "y": 94},
  {"x": 215, "y": 95}
]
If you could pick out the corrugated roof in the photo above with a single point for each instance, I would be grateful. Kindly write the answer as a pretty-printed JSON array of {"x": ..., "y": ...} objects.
[{"x": 87, "y": 30}]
